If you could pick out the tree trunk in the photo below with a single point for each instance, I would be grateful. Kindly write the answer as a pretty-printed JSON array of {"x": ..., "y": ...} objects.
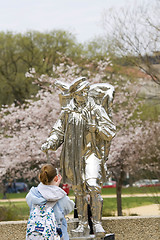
[
  {"x": 119, "y": 189},
  {"x": 119, "y": 197},
  {"x": 4, "y": 192}
]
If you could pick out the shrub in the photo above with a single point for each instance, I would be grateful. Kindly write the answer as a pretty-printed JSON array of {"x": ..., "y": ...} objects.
[{"x": 8, "y": 213}]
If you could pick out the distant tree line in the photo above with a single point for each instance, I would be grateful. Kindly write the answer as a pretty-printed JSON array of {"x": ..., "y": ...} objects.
[{"x": 20, "y": 52}]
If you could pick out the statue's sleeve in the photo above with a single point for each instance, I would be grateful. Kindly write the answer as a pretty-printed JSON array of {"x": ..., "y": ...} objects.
[
  {"x": 106, "y": 128},
  {"x": 56, "y": 137}
]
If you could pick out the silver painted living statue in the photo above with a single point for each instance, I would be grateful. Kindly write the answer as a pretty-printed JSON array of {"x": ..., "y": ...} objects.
[{"x": 85, "y": 129}]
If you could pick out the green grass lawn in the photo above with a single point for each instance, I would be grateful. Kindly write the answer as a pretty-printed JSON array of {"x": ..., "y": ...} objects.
[
  {"x": 105, "y": 191},
  {"x": 20, "y": 210},
  {"x": 14, "y": 195},
  {"x": 129, "y": 190},
  {"x": 132, "y": 190}
]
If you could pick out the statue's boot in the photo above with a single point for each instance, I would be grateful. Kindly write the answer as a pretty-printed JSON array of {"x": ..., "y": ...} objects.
[
  {"x": 96, "y": 208},
  {"x": 98, "y": 229},
  {"x": 83, "y": 228}
]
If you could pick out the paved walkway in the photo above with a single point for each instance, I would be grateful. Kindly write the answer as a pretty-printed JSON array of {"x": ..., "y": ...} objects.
[{"x": 149, "y": 210}]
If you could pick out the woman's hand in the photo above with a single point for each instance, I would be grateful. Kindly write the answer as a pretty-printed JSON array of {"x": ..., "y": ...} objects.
[{"x": 57, "y": 180}]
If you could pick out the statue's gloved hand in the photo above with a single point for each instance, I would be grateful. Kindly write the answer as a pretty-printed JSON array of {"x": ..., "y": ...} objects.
[
  {"x": 45, "y": 147},
  {"x": 92, "y": 127}
]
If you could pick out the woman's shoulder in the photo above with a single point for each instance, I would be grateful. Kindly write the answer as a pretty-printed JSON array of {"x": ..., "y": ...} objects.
[{"x": 51, "y": 192}]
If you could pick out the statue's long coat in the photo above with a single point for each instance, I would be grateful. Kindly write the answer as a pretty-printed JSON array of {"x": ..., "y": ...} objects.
[{"x": 79, "y": 143}]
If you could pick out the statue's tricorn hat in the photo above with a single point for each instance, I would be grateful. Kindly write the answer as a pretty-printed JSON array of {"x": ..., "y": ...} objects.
[{"x": 78, "y": 85}]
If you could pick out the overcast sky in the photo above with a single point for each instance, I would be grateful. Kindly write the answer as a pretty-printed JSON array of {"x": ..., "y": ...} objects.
[{"x": 81, "y": 17}]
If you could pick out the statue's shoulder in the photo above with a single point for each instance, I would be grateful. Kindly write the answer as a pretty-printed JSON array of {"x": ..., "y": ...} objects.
[
  {"x": 102, "y": 94},
  {"x": 99, "y": 90}
]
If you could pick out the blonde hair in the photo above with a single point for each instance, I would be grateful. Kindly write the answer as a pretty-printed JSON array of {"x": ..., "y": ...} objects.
[{"x": 47, "y": 173}]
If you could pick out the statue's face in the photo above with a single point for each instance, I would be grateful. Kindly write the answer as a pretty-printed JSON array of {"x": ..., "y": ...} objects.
[{"x": 81, "y": 97}]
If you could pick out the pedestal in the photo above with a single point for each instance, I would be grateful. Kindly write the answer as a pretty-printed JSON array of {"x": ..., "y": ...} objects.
[
  {"x": 110, "y": 236},
  {"x": 73, "y": 223}
]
